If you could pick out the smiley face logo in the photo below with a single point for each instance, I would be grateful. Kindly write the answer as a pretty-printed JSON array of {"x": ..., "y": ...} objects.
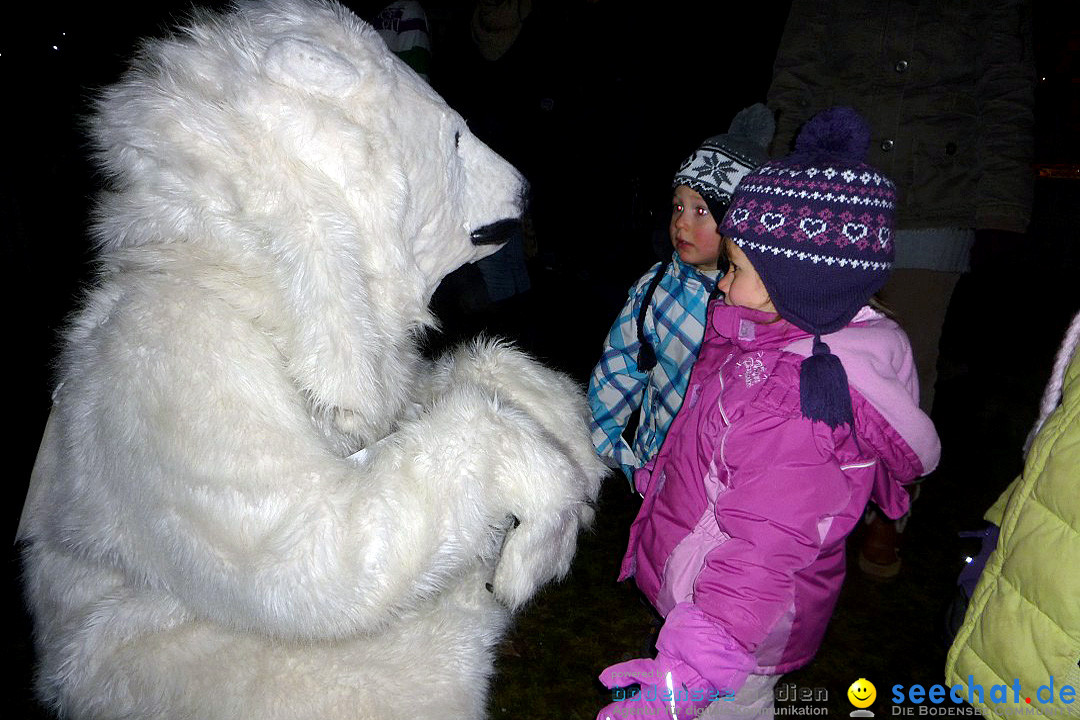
[{"x": 862, "y": 693}]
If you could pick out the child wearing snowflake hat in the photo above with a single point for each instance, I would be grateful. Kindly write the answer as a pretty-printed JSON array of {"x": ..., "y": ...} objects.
[
  {"x": 802, "y": 406},
  {"x": 652, "y": 345}
]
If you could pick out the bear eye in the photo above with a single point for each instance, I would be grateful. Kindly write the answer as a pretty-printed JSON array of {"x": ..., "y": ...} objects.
[{"x": 457, "y": 139}]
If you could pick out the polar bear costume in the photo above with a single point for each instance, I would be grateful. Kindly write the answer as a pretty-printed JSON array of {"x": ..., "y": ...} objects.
[{"x": 253, "y": 498}]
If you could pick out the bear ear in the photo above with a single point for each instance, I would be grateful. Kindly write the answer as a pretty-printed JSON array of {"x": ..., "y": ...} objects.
[{"x": 304, "y": 65}]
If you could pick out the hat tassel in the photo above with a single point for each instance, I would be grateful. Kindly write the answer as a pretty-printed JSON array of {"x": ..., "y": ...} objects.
[{"x": 823, "y": 388}]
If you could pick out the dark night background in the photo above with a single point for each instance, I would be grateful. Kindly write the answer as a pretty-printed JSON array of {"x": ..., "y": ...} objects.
[{"x": 597, "y": 103}]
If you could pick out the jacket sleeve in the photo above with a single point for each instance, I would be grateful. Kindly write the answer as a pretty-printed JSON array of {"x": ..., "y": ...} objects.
[
  {"x": 1005, "y": 93},
  {"x": 772, "y": 517},
  {"x": 795, "y": 92},
  {"x": 617, "y": 387}
]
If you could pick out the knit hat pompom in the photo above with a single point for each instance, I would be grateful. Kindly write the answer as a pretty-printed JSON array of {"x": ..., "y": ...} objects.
[
  {"x": 838, "y": 132},
  {"x": 754, "y": 123},
  {"x": 718, "y": 165}
]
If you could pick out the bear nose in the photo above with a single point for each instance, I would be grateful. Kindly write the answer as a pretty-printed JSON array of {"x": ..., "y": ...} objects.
[{"x": 496, "y": 233}]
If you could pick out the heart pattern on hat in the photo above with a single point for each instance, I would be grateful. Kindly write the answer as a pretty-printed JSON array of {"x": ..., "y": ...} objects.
[
  {"x": 813, "y": 227},
  {"x": 884, "y": 237},
  {"x": 739, "y": 215},
  {"x": 771, "y": 220},
  {"x": 854, "y": 231}
]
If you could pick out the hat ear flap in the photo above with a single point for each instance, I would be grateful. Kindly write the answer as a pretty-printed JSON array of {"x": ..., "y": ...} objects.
[
  {"x": 718, "y": 207},
  {"x": 307, "y": 66}
]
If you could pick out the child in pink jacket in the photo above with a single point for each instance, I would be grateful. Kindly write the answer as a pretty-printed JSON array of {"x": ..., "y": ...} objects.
[{"x": 802, "y": 406}]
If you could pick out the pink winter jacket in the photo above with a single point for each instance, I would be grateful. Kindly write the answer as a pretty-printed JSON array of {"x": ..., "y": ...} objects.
[{"x": 739, "y": 542}]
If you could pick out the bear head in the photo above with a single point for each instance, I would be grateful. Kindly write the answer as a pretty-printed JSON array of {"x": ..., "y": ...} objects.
[{"x": 284, "y": 142}]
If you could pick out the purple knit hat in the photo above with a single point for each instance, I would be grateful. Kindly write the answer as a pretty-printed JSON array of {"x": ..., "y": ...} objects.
[{"x": 817, "y": 226}]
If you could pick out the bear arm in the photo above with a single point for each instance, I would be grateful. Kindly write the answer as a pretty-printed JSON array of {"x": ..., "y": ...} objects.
[{"x": 192, "y": 439}]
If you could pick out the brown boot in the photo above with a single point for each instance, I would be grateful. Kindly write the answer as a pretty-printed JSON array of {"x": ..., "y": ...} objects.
[{"x": 879, "y": 556}]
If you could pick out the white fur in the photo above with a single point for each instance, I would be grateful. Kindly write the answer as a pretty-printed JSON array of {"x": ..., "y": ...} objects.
[{"x": 285, "y": 195}]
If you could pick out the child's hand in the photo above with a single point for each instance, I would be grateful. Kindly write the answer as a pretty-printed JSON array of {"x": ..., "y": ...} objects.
[{"x": 667, "y": 688}]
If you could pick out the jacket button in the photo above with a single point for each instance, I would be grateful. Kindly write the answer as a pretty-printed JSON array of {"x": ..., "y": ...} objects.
[
  {"x": 950, "y": 148},
  {"x": 887, "y": 145},
  {"x": 901, "y": 66}
]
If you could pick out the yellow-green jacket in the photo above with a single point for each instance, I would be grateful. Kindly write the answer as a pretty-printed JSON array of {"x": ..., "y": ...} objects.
[{"x": 1023, "y": 622}]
